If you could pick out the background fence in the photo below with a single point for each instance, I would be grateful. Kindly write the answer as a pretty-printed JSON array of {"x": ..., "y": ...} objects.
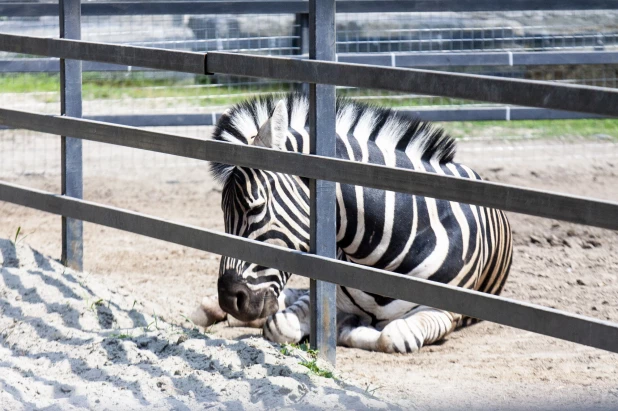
[{"x": 566, "y": 46}]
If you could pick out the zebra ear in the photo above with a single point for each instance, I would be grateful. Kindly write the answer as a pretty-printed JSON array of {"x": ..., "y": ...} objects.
[{"x": 273, "y": 132}]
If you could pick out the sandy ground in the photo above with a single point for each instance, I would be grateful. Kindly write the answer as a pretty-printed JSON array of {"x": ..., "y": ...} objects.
[
  {"x": 69, "y": 341},
  {"x": 486, "y": 366}
]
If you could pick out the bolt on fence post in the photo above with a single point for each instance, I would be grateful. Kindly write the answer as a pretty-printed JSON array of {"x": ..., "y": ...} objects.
[
  {"x": 71, "y": 157},
  {"x": 323, "y": 202}
]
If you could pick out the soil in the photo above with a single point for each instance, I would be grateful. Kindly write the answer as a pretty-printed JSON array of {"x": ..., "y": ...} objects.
[{"x": 486, "y": 366}]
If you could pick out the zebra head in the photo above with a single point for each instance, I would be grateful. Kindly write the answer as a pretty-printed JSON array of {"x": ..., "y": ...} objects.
[{"x": 260, "y": 205}]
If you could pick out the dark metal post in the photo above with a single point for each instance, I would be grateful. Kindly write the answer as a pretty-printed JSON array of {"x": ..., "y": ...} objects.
[
  {"x": 323, "y": 201},
  {"x": 302, "y": 43},
  {"x": 71, "y": 105}
]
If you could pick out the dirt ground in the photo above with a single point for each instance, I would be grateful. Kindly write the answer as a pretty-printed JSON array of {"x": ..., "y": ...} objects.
[{"x": 486, "y": 366}]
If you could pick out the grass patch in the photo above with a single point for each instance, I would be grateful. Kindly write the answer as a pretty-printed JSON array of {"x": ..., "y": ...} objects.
[
  {"x": 202, "y": 93},
  {"x": 17, "y": 234},
  {"x": 154, "y": 323},
  {"x": 121, "y": 336},
  {"x": 95, "y": 304},
  {"x": 110, "y": 85},
  {"x": 587, "y": 128},
  {"x": 29, "y": 83},
  {"x": 104, "y": 86},
  {"x": 314, "y": 368},
  {"x": 311, "y": 363},
  {"x": 392, "y": 99},
  {"x": 286, "y": 349},
  {"x": 372, "y": 390}
]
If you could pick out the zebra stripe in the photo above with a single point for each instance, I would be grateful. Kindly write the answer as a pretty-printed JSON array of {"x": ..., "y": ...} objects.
[{"x": 445, "y": 241}]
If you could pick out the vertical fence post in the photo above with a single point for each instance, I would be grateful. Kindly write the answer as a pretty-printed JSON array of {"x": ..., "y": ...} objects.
[
  {"x": 71, "y": 157},
  {"x": 301, "y": 35},
  {"x": 301, "y": 41},
  {"x": 323, "y": 201}
]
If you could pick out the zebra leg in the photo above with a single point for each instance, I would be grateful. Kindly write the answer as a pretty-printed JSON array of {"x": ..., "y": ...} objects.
[
  {"x": 289, "y": 296},
  {"x": 292, "y": 324},
  {"x": 422, "y": 326},
  {"x": 352, "y": 333}
]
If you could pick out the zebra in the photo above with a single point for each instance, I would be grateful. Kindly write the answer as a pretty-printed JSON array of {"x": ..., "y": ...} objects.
[{"x": 444, "y": 241}]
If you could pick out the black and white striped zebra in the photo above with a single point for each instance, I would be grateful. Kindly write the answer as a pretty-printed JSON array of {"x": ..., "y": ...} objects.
[{"x": 444, "y": 241}]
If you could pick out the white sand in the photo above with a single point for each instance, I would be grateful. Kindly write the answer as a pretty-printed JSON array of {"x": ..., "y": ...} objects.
[{"x": 68, "y": 341}]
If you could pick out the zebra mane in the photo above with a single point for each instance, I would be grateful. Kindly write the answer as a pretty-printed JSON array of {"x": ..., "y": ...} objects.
[{"x": 395, "y": 131}]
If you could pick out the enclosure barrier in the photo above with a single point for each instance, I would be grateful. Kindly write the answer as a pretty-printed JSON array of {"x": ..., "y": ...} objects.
[
  {"x": 555, "y": 323},
  {"x": 522, "y": 315},
  {"x": 456, "y": 114},
  {"x": 300, "y": 9},
  {"x": 128, "y": 8},
  {"x": 391, "y": 59},
  {"x": 575, "y": 209},
  {"x": 401, "y": 60},
  {"x": 585, "y": 99}
]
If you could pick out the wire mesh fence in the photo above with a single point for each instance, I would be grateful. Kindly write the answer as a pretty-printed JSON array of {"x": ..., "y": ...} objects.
[
  {"x": 474, "y": 31},
  {"x": 134, "y": 91}
]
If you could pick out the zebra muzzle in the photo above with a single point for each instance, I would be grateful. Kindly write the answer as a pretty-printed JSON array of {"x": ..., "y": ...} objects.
[{"x": 243, "y": 303}]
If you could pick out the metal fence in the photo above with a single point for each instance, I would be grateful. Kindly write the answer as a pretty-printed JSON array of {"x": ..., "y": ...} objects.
[
  {"x": 400, "y": 38},
  {"x": 574, "y": 43},
  {"x": 321, "y": 265}
]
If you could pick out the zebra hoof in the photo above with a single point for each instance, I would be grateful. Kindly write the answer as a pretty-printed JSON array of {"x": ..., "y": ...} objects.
[
  {"x": 208, "y": 313},
  {"x": 283, "y": 329},
  {"x": 345, "y": 325},
  {"x": 392, "y": 340}
]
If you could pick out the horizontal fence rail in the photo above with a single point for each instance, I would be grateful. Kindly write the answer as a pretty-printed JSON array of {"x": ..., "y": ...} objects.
[
  {"x": 297, "y": 7},
  {"x": 444, "y": 114},
  {"x": 530, "y": 317},
  {"x": 541, "y": 94},
  {"x": 443, "y": 59},
  {"x": 52, "y": 65},
  {"x": 463, "y": 59},
  {"x": 161, "y": 59},
  {"x": 574, "y": 209}
]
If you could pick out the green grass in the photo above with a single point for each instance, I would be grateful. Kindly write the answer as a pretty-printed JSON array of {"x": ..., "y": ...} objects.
[
  {"x": 28, "y": 83},
  {"x": 154, "y": 322},
  {"x": 388, "y": 99},
  {"x": 17, "y": 235},
  {"x": 372, "y": 390},
  {"x": 311, "y": 363},
  {"x": 96, "y": 303},
  {"x": 97, "y": 86},
  {"x": 102, "y": 86},
  {"x": 121, "y": 336},
  {"x": 589, "y": 128},
  {"x": 314, "y": 368}
]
